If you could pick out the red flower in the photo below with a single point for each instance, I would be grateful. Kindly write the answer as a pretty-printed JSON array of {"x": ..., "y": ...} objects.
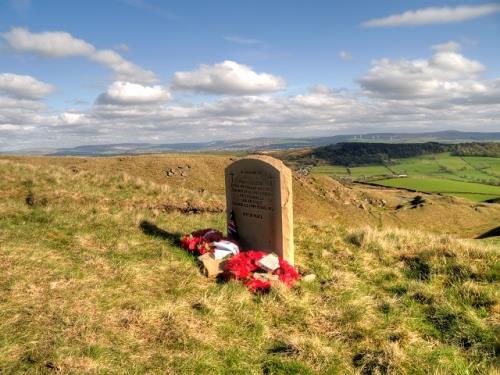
[
  {"x": 287, "y": 273},
  {"x": 243, "y": 264},
  {"x": 258, "y": 286},
  {"x": 203, "y": 247},
  {"x": 199, "y": 241},
  {"x": 189, "y": 243},
  {"x": 255, "y": 255}
]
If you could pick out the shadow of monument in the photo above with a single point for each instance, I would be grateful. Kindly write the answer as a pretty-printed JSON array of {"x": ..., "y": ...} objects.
[
  {"x": 491, "y": 233},
  {"x": 154, "y": 231}
]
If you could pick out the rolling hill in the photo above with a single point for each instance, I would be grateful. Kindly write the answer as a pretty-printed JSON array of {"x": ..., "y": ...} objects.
[{"x": 450, "y": 136}]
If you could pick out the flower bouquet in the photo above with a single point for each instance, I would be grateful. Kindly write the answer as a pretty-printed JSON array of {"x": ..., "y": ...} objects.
[{"x": 245, "y": 266}]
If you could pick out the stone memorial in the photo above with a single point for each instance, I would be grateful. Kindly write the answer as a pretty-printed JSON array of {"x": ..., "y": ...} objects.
[{"x": 260, "y": 206}]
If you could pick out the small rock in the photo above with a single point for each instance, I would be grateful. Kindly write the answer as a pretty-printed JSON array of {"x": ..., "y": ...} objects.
[
  {"x": 184, "y": 174},
  {"x": 309, "y": 278}
]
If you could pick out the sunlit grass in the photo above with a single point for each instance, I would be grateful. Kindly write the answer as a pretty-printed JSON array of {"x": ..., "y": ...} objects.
[{"x": 85, "y": 287}]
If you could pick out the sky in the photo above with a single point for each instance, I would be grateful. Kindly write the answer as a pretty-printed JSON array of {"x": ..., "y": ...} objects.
[{"x": 151, "y": 71}]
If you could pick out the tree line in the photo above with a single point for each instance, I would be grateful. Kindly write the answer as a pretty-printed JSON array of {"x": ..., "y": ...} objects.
[{"x": 352, "y": 154}]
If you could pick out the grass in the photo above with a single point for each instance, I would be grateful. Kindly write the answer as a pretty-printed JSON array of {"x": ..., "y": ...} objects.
[
  {"x": 337, "y": 170},
  {"x": 445, "y": 186},
  {"x": 92, "y": 281},
  {"x": 474, "y": 178},
  {"x": 375, "y": 170},
  {"x": 425, "y": 165},
  {"x": 482, "y": 162}
]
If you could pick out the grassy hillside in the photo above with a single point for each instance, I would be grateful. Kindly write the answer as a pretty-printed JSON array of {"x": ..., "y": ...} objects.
[
  {"x": 92, "y": 280},
  {"x": 315, "y": 196}
]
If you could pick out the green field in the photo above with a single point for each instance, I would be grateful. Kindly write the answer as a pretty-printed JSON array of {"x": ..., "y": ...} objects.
[
  {"x": 337, "y": 170},
  {"x": 475, "y": 178},
  {"x": 372, "y": 170},
  {"x": 469, "y": 190}
]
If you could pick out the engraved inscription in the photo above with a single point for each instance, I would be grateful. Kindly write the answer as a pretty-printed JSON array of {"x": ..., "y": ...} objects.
[{"x": 253, "y": 191}]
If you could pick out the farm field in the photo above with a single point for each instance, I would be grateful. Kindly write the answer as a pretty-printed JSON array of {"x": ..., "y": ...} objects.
[
  {"x": 469, "y": 190},
  {"x": 374, "y": 170},
  {"x": 337, "y": 170},
  {"x": 474, "y": 178},
  {"x": 485, "y": 164}
]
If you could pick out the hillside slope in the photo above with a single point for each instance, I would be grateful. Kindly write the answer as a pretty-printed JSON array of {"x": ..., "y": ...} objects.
[
  {"x": 314, "y": 196},
  {"x": 93, "y": 282}
]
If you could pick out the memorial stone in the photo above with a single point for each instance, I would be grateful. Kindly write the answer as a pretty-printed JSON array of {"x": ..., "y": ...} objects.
[{"x": 260, "y": 206}]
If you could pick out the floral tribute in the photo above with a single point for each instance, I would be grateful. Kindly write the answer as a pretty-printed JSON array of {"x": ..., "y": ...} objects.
[
  {"x": 199, "y": 242},
  {"x": 243, "y": 266}
]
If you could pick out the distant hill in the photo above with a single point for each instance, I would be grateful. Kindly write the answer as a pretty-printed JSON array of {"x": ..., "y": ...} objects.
[
  {"x": 447, "y": 137},
  {"x": 352, "y": 154}
]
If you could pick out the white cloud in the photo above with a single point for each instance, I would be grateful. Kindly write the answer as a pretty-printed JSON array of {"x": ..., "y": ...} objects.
[
  {"x": 53, "y": 44},
  {"x": 132, "y": 93},
  {"x": 434, "y": 15},
  {"x": 444, "y": 75},
  {"x": 24, "y": 86},
  {"x": 72, "y": 118},
  {"x": 229, "y": 78},
  {"x": 59, "y": 44},
  {"x": 124, "y": 69},
  {"x": 443, "y": 91},
  {"x": 9, "y": 127},
  {"x": 344, "y": 55},
  {"x": 19, "y": 116}
]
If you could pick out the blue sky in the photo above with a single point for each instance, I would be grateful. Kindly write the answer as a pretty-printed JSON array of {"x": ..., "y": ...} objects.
[{"x": 273, "y": 68}]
